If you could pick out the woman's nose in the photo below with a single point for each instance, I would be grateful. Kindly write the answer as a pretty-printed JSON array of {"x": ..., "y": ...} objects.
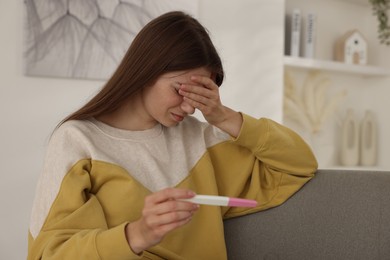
[{"x": 187, "y": 108}]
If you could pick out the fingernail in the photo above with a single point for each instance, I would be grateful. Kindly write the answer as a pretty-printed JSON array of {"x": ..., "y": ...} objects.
[{"x": 191, "y": 193}]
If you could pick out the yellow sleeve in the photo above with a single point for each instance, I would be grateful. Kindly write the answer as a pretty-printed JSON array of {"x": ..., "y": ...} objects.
[
  {"x": 76, "y": 227},
  {"x": 266, "y": 162}
]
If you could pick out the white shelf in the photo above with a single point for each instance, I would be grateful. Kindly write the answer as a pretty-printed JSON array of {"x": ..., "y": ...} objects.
[
  {"x": 361, "y": 2},
  {"x": 363, "y": 70},
  {"x": 358, "y": 168}
]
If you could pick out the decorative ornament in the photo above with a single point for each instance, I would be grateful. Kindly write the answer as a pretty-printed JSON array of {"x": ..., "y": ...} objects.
[{"x": 352, "y": 48}]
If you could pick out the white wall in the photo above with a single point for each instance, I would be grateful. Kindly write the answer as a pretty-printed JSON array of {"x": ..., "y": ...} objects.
[
  {"x": 249, "y": 37},
  {"x": 31, "y": 107}
]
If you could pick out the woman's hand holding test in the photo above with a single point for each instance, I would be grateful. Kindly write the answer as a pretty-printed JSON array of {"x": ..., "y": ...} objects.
[{"x": 163, "y": 212}]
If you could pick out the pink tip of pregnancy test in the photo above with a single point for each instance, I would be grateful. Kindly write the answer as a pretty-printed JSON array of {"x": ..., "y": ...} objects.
[{"x": 234, "y": 202}]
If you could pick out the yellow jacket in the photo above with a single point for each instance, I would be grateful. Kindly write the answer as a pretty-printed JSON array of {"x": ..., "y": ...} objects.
[{"x": 96, "y": 177}]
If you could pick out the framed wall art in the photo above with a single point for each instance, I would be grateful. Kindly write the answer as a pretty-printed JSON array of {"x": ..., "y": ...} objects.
[{"x": 86, "y": 39}]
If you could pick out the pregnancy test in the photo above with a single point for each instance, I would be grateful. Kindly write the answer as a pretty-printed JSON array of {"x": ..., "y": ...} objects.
[{"x": 221, "y": 201}]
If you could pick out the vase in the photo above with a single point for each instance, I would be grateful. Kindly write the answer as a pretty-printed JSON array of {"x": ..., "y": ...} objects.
[
  {"x": 368, "y": 140},
  {"x": 323, "y": 147},
  {"x": 349, "y": 152}
]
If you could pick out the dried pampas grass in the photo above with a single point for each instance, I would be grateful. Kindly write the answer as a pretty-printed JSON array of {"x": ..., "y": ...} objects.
[{"x": 311, "y": 108}]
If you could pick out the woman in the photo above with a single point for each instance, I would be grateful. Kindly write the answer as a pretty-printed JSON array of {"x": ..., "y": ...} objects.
[{"x": 117, "y": 170}]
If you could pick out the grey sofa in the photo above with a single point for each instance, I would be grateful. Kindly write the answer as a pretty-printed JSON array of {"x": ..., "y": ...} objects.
[{"x": 339, "y": 214}]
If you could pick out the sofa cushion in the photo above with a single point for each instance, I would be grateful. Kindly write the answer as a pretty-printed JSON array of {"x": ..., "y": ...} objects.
[{"x": 339, "y": 214}]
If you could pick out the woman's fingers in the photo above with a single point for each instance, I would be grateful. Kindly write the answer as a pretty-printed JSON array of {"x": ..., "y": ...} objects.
[
  {"x": 165, "y": 207},
  {"x": 199, "y": 96},
  {"x": 169, "y": 218},
  {"x": 149, "y": 231},
  {"x": 204, "y": 96},
  {"x": 204, "y": 81},
  {"x": 169, "y": 211},
  {"x": 163, "y": 212}
]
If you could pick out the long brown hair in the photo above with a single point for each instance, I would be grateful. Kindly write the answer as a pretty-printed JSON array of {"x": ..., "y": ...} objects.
[{"x": 171, "y": 42}]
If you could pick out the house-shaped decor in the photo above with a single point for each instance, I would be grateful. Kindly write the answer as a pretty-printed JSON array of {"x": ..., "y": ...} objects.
[{"x": 351, "y": 48}]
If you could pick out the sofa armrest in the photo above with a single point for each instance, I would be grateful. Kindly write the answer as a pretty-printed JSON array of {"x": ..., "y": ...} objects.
[{"x": 339, "y": 214}]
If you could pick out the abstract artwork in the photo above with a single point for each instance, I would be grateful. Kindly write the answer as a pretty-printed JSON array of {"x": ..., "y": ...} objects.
[{"x": 87, "y": 38}]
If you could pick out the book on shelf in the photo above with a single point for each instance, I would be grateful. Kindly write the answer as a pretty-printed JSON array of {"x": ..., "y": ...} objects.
[
  {"x": 295, "y": 35},
  {"x": 310, "y": 34}
]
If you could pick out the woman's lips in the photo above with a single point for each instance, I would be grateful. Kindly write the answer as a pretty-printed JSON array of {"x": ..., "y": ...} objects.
[{"x": 178, "y": 118}]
